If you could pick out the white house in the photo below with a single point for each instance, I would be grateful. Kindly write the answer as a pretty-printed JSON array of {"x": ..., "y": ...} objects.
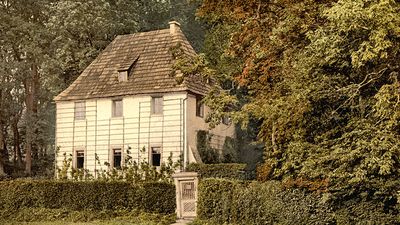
[{"x": 127, "y": 98}]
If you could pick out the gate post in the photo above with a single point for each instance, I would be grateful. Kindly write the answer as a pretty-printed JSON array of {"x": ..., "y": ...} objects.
[{"x": 186, "y": 194}]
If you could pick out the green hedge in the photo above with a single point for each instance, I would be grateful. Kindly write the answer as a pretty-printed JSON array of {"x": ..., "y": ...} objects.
[
  {"x": 56, "y": 215},
  {"x": 89, "y": 195},
  {"x": 221, "y": 170},
  {"x": 227, "y": 201}
]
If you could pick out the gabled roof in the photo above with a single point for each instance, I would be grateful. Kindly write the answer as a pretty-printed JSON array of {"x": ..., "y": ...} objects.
[{"x": 148, "y": 59}]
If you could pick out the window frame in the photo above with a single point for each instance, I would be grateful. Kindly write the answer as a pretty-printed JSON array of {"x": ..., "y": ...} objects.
[
  {"x": 80, "y": 115},
  {"x": 75, "y": 160},
  {"x": 153, "y": 105},
  {"x": 114, "y": 108},
  {"x": 151, "y": 155},
  {"x": 199, "y": 106},
  {"x": 123, "y": 75},
  {"x": 112, "y": 157},
  {"x": 226, "y": 120}
]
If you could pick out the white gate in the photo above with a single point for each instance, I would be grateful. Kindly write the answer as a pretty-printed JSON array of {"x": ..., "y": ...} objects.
[{"x": 186, "y": 194}]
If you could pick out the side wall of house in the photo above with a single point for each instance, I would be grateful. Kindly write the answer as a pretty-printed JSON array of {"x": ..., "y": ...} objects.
[
  {"x": 195, "y": 123},
  {"x": 137, "y": 130}
]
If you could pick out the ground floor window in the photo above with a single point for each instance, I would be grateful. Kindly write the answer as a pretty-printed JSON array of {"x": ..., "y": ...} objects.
[
  {"x": 80, "y": 159},
  {"x": 156, "y": 156},
  {"x": 117, "y": 158}
]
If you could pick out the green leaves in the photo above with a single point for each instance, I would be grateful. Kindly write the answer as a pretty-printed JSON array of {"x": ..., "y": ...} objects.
[
  {"x": 322, "y": 77},
  {"x": 152, "y": 197},
  {"x": 371, "y": 25}
]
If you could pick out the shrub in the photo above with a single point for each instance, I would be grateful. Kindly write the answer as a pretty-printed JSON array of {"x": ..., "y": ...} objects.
[
  {"x": 215, "y": 198},
  {"x": 227, "y": 201},
  {"x": 131, "y": 171},
  {"x": 153, "y": 197},
  {"x": 49, "y": 215},
  {"x": 207, "y": 153},
  {"x": 357, "y": 211},
  {"x": 259, "y": 203},
  {"x": 222, "y": 170}
]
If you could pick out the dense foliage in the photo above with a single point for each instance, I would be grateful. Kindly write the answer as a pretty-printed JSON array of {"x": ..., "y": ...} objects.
[
  {"x": 228, "y": 201},
  {"x": 221, "y": 170},
  {"x": 320, "y": 79},
  {"x": 152, "y": 197},
  {"x": 54, "y": 216}
]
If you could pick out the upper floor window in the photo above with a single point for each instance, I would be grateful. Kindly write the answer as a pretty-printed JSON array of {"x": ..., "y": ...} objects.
[
  {"x": 199, "y": 106},
  {"x": 117, "y": 108},
  {"x": 156, "y": 105},
  {"x": 80, "y": 110}
]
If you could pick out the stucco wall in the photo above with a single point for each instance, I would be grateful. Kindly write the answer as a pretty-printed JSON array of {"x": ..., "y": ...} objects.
[
  {"x": 196, "y": 123},
  {"x": 99, "y": 132}
]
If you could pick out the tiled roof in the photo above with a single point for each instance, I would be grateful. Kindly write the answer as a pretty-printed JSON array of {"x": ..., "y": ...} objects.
[{"x": 149, "y": 59}]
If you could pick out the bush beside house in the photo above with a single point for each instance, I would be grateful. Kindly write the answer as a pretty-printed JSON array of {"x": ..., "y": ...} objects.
[
  {"x": 236, "y": 202},
  {"x": 220, "y": 170}
]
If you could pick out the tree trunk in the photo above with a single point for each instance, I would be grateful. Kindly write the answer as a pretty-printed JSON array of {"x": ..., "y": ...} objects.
[
  {"x": 16, "y": 142},
  {"x": 2, "y": 143},
  {"x": 35, "y": 106},
  {"x": 28, "y": 84},
  {"x": 273, "y": 139},
  {"x": 6, "y": 154},
  {"x": 32, "y": 86}
]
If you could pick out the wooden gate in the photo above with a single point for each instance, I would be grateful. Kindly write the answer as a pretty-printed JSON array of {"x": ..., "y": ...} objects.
[{"x": 186, "y": 194}]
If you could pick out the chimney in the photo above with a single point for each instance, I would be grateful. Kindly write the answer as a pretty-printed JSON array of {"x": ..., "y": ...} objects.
[{"x": 174, "y": 27}]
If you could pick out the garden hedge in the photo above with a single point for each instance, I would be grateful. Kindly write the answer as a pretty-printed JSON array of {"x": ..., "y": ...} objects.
[
  {"x": 221, "y": 170},
  {"x": 153, "y": 197},
  {"x": 230, "y": 201},
  {"x": 24, "y": 215}
]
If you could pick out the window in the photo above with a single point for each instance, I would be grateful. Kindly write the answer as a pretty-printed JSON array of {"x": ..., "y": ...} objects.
[
  {"x": 226, "y": 120},
  {"x": 80, "y": 110},
  {"x": 157, "y": 105},
  {"x": 156, "y": 156},
  {"x": 199, "y": 107},
  {"x": 80, "y": 159},
  {"x": 117, "y": 158},
  {"x": 117, "y": 108},
  {"x": 122, "y": 76}
]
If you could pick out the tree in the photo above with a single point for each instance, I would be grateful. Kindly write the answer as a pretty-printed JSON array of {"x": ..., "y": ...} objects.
[{"x": 322, "y": 79}]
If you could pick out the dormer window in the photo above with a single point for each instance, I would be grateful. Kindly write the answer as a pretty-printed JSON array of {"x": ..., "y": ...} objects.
[
  {"x": 125, "y": 67},
  {"x": 122, "y": 76}
]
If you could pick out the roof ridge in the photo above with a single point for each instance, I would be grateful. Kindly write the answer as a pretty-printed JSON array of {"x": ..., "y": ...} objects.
[{"x": 142, "y": 32}]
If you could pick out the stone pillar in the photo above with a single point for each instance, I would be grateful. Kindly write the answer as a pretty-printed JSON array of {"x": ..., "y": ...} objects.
[{"x": 186, "y": 194}]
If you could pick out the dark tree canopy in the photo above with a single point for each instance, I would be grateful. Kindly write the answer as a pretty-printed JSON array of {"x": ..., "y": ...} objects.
[{"x": 322, "y": 80}]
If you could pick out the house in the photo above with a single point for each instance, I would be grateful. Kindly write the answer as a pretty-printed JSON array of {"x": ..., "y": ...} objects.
[{"x": 128, "y": 99}]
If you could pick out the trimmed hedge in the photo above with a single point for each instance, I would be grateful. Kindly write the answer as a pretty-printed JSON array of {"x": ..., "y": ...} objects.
[
  {"x": 221, "y": 170},
  {"x": 49, "y": 215},
  {"x": 153, "y": 197},
  {"x": 227, "y": 201}
]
